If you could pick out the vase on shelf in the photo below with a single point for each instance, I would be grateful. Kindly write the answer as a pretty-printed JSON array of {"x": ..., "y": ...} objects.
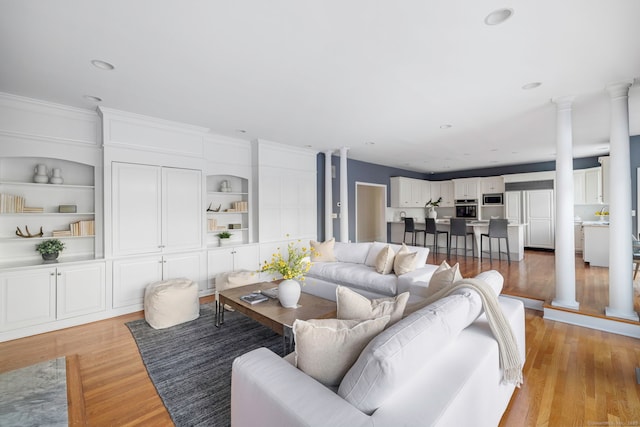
[
  {"x": 56, "y": 176},
  {"x": 41, "y": 176},
  {"x": 289, "y": 293}
]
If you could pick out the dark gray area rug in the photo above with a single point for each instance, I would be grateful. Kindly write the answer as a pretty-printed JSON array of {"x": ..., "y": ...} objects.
[{"x": 190, "y": 364}]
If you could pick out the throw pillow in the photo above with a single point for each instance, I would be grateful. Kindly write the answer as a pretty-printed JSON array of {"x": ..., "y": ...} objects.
[
  {"x": 352, "y": 305},
  {"x": 322, "y": 252},
  {"x": 443, "y": 277},
  {"x": 384, "y": 260},
  {"x": 327, "y": 348},
  {"x": 405, "y": 261}
]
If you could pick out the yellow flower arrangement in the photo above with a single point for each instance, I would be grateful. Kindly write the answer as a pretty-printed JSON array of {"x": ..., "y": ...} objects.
[{"x": 296, "y": 264}]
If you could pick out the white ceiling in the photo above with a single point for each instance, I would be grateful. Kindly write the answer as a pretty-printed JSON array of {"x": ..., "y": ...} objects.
[{"x": 335, "y": 73}]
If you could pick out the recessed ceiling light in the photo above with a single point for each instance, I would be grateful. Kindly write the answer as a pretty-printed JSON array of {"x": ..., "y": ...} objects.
[
  {"x": 241, "y": 131},
  {"x": 369, "y": 143},
  {"x": 498, "y": 16},
  {"x": 308, "y": 146},
  {"x": 531, "y": 85},
  {"x": 494, "y": 149},
  {"x": 92, "y": 98},
  {"x": 103, "y": 65},
  {"x": 445, "y": 126}
]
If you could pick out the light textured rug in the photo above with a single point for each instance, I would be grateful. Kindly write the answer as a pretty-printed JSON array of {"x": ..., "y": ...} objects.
[
  {"x": 190, "y": 364},
  {"x": 35, "y": 395}
]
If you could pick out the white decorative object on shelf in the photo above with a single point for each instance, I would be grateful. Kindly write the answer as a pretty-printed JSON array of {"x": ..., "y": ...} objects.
[
  {"x": 41, "y": 176},
  {"x": 289, "y": 293},
  {"x": 56, "y": 176},
  {"x": 225, "y": 187}
]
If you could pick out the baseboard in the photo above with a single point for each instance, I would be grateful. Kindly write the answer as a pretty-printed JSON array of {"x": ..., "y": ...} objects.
[
  {"x": 534, "y": 304},
  {"x": 628, "y": 329}
]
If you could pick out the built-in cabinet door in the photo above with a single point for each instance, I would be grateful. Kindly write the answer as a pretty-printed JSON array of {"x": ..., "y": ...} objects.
[
  {"x": 131, "y": 276},
  {"x": 27, "y": 298},
  {"x": 188, "y": 265},
  {"x": 493, "y": 184},
  {"x": 137, "y": 209},
  {"x": 80, "y": 290},
  {"x": 593, "y": 186},
  {"x": 181, "y": 209},
  {"x": 578, "y": 187},
  {"x": 246, "y": 258},
  {"x": 466, "y": 188},
  {"x": 539, "y": 207},
  {"x": 446, "y": 192}
]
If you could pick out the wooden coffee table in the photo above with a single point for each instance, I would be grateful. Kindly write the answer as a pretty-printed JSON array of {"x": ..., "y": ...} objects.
[{"x": 270, "y": 313}]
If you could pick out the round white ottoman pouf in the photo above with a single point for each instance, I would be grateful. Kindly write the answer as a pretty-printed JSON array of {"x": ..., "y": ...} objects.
[{"x": 171, "y": 302}]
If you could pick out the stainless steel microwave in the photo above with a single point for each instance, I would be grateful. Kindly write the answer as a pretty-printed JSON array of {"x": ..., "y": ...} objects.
[{"x": 493, "y": 199}]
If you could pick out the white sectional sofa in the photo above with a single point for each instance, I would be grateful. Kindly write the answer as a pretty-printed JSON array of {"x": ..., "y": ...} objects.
[
  {"x": 355, "y": 269},
  {"x": 439, "y": 366}
]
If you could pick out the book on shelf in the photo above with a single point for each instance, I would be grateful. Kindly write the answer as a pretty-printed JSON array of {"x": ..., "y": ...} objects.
[
  {"x": 83, "y": 228},
  {"x": 61, "y": 233},
  {"x": 240, "y": 206},
  {"x": 32, "y": 209},
  {"x": 254, "y": 298},
  {"x": 10, "y": 203}
]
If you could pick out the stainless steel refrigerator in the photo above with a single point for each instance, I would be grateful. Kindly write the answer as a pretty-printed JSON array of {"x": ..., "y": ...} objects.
[{"x": 533, "y": 204}]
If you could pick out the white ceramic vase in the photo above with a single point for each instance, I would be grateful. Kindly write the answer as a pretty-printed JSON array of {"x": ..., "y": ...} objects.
[
  {"x": 41, "y": 175},
  {"x": 56, "y": 176},
  {"x": 432, "y": 213},
  {"x": 289, "y": 293}
]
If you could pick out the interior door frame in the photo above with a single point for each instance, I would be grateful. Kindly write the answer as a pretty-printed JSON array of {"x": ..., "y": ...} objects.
[{"x": 383, "y": 226}]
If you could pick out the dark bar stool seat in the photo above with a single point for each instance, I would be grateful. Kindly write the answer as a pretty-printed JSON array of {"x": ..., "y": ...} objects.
[
  {"x": 432, "y": 229},
  {"x": 497, "y": 230},
  {"x": 457, "y": 229}
]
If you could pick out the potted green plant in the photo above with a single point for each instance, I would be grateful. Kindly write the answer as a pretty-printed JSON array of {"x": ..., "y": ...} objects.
[
  {"x": 225, "y": 238},
  {"x": 50, "y": 249},
  {"x": 431, "y": 206}
]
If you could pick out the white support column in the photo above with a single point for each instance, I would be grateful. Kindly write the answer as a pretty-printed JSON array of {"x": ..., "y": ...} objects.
[
  {"x": 620, "y": 228},
  {"x": 344, "y": 197},
  {"x": 328, "y": 196},
  {"x": 565, "y": 245}
]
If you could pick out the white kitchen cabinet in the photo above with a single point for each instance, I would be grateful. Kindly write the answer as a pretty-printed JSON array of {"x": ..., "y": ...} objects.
[
  {"x": 492, "y": 185},
  {"x": 466, "y": 188},
  {"x": 578, "y": 237},
  {"x": 587, "y": 186},
  {"x": 155, "y": 209},
  {"x": 442, "y": 189},
  {"x": 539, "y": 205},
  {"x": 42, "y": 295},
  {"x": 410, "y": 192},
  {"x": 604, "y": 162},
  {"x": 132, "y": 275}
]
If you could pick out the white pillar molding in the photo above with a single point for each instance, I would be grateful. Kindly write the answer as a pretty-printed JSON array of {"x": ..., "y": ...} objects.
[
  {"x": 328, "y": 196},
  {"x": 620, "y": 228},
  {"x": 565, "y": 244},
  {"x": 344, "y": 197}
]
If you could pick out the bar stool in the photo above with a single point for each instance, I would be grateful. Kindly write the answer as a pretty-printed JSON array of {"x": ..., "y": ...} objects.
[
  {"x": 497, "y": 230},
  {"x": 410, "y": 227},
  {"x": 432, "y": 229},
  {"x": 458, "y": 228}
]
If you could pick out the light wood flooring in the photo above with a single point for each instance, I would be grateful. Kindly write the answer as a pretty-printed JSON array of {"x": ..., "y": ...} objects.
[{"x": 573, "y": 376}]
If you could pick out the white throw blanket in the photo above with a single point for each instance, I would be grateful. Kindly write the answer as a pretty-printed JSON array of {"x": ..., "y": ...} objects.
[{"x": 510, "y": 361}]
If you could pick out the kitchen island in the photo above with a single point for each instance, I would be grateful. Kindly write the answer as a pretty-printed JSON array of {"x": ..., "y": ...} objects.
[
  {"x": 596, "y": 243},
  {"x": 515, "y": 231}
]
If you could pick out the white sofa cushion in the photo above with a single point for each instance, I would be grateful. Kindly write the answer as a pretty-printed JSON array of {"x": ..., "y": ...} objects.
[
  {"x": 376, "y": 247},
  {"x": 444, "y": 276},
  {"x": 384, "y": 260},
  {"x": 393, "y": 357},
  {"x": 322, "y": 251},
  {"x": 355, "y": 276},
  {"x": 405, "y": 261},
  {"x": 326, "y": 348},
  {"x": 351, "y": 252},
  {"x": 351, "y": 305}
]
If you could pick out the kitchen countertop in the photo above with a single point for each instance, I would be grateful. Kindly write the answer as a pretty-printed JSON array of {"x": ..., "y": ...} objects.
[{"x": 481, "y": 223}]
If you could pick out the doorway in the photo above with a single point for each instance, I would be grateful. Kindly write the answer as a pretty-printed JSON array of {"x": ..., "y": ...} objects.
[{"x": 371, "y": 205}]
